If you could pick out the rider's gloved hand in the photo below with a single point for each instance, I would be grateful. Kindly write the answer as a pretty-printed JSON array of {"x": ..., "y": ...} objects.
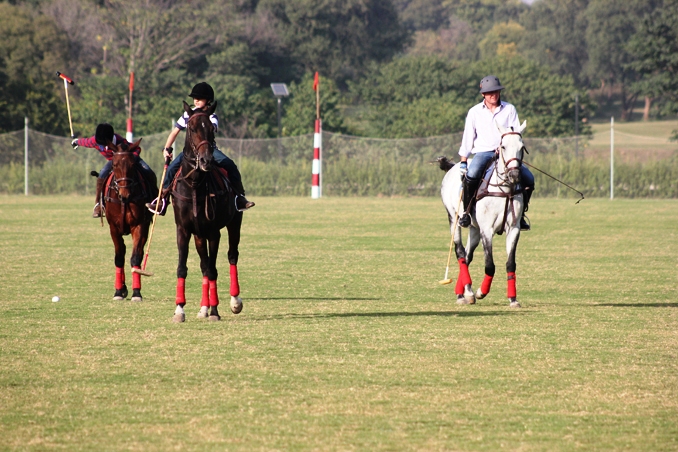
[
  {"x": 74, "y": 143},
  {"x": 463, "y": 167},
  {"x": 167, "y": 153}
]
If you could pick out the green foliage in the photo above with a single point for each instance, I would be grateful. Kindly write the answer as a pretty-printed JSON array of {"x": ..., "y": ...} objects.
[{"x": 300, "y": 107}]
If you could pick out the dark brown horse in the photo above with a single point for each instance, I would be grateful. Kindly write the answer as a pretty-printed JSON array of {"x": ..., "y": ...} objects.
[
  {"x": 126, "y": 194},
  {"x": 203, "y": 205}
]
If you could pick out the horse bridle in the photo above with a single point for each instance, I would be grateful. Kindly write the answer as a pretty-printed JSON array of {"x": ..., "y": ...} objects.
[
  {"x": 500, "y": 152},
  {"x": 129, "y": 182},
  {"x": 193, "y": 162}
]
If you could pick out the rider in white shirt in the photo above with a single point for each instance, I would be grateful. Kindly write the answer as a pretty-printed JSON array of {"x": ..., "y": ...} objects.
[{"x": 482, "y": 138}]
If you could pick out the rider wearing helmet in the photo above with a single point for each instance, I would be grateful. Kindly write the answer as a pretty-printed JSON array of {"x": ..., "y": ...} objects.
[
  {"x": 482, "y": 138},
  {"x": 203, "y": 96},
  {"x": 103, "y": 135}
]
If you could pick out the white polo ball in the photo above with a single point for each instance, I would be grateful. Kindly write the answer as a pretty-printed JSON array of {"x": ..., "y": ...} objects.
[{"x": 55, "y": 299}]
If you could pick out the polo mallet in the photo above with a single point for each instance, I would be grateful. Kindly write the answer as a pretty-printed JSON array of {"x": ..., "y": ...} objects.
[
  {"x": 142, "y": 271},
  {"x": 454, "y": 231},
  {"x": 67, "y": 81}
]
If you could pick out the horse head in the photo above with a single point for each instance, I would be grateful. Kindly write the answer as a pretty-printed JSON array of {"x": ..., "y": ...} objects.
[
  {"x": 510, "y": 153},
  {"x": 124, "y": 175},
  {"x": 199, "y": 147}
]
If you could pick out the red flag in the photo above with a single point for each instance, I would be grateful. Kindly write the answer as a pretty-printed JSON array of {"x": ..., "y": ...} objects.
[
  {"x": 131, "y": 81},
  {"x": 316, "y": 82}
]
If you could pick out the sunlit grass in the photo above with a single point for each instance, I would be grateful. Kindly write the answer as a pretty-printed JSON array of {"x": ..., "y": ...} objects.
[{"x": 346, "y": 340}]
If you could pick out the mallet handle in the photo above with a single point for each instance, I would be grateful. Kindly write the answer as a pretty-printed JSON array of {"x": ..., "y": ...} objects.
[{"x": 155, "y": 215}]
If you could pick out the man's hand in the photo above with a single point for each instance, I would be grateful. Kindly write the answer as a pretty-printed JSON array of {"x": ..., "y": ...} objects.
[
  {"x": 167, "y": 153},
  {"x": 463, "y": 167},
  {"x": 74, "y": 143}
]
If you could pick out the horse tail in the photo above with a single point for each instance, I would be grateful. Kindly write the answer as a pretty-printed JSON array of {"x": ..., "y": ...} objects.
[{"x": 444, "y": 163}]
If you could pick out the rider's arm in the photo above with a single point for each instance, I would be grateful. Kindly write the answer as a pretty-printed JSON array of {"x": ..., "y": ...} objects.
[{"x": 170, "y": 141}]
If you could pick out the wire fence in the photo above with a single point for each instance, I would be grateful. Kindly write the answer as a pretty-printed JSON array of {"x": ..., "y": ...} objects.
[{"x": 352, "y": 166}]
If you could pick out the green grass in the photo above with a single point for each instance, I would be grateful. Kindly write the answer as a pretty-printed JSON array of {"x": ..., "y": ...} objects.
[{"x": 346, "y": 340}]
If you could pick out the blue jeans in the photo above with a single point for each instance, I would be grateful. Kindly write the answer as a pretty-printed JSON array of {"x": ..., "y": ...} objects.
[
  {"x": 220, "y": 159},
  {"x": 480, "y": 161}
]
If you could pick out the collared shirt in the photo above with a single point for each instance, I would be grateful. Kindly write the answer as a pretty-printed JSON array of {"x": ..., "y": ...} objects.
[
  {"x": 481, "y": 133},
  {"x": 183, "y": 121},
  {"x": 107, "y": 153}
]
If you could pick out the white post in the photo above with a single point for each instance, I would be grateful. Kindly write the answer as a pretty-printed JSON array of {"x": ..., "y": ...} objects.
[
  {"x": 320, "y": 163},
  {"x": 26, "y": 155},
  {"x": 612, "y": 157}
]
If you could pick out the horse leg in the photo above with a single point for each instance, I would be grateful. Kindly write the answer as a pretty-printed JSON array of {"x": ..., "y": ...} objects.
[
  {"x": 183, "y": 240},
  {"x": 213, "y": 274},
  {"x": 119, "y": 244},
  {"x": 201, "y": 248},
  {"x": 464, "y": 289},
  {"x": 233, "y": 241},
  {"x": 484, "y": 288},
  {"x": 139, "y": 234},
  {"x": 511, "y": 245}
]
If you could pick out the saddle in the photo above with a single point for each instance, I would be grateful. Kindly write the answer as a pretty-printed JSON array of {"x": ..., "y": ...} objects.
[
  {"x": 218, "y": 183},
  {"x": 484, "y": 188}
]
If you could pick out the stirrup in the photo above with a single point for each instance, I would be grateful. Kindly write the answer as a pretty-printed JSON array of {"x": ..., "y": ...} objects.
[
  {"x": 154, "y": 209},
  {"x": 525, "y": 223},
  {"x": 96, "y": 212},
  {"x": 248, "y": 204}
]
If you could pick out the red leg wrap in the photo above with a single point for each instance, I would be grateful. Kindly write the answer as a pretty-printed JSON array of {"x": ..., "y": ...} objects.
[
  {"x": 214, "y": 297},
  {"x": 136, "y": 279},
  {"x": 463, "y": 275},
  {"x": 511, "y": 291},
  {"x": 205, "y": 300},
  {"x": 119, "y": 278},
  {"x": 485, "y": 286},
  {"x": 181, "y": 291},
  {"x": 235, "y": 286}
]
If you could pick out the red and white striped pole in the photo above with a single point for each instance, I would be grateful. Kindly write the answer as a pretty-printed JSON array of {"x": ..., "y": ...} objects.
[
  {"x": 130, "y": 135},
  {"x": 316, "y": 187}
]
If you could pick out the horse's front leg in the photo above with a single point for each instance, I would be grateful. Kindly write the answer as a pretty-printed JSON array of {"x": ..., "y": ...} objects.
[
  {"x": 511, "y": 245},
  {"x": 464, "y": 288},
  {"x": 183, "y": 240},
  {"x": 484, "y": 288},
  {"x": 139, "y": 236},
  {"x": 233, "y": 242},
  {"x": 119, "y": 244}
]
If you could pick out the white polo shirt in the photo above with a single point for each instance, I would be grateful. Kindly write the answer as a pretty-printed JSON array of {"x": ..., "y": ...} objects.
[{"x": 480, "y": 132}]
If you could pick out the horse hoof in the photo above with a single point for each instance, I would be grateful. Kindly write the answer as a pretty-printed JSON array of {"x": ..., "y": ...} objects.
[
  {"x": 202, "y": 314},
  {"x": 461, "y": 300},
  {"x": 514, "y": 303},
  {"x": 236, "y": 305},
  {"x": 214, "y": 318},
  {"x": 469, "y": 296},
  {"x": 118, "y": 298},
  {"x": 179, "y": 318},
  {"x": 480, "y": 295},
  {"x": 137, "y": 299}
]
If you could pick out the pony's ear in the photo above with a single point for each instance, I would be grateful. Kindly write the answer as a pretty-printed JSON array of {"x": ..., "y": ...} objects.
[
  {"x": 522, "y": 127},
  {"x": 187, "y": 108},
  {"x": 211, "y": 110},
  {"x": 136, "y": 144},
  {"x": 500, "y": 128},
  {"x": 110, "y": 145}
]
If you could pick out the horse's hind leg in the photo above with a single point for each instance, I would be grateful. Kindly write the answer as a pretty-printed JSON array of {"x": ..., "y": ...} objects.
[
  {"x": 208, "y": 250},
  {"x": 464, "y": 288},
  {"x": 139, "y": 235},
  {"x": 233, "y": 241},
  {"x": 120, "y": 286},
  {"x": 484, "y": 288}
]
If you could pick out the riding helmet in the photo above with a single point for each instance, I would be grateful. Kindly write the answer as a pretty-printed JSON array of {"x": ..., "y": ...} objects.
[
  {"x": 489, "y": 84},
  {"x": 202, "y": 91},
  {"x": 103, "y": 134}
]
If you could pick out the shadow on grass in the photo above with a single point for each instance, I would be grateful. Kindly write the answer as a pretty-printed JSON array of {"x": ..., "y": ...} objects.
[
  {"x": 639, "y": 305},
  {"x": 396, "y": 314},
  {"x": 315, "y": 298}
]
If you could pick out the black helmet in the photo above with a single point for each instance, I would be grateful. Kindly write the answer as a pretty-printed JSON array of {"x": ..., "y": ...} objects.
[
  {"x": 202, "y": 91},
  {"x": 490, "y": 83},
  {"x": 104, "y": 134}
]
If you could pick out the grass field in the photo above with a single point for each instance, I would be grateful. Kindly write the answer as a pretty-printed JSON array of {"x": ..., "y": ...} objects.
[
  {"x": 346, "y": 340},
  {"x": 636, "y": 141}
]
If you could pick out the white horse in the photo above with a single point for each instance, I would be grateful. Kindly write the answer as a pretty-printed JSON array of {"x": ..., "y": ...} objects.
[{"x": 497, "y": 212}]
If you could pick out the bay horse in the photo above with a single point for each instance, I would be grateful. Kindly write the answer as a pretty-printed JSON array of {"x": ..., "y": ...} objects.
[
  {"x": 203, "y": 205},
  {"x": 126, "y": 194},
  {"x": 498, "y": 211}
]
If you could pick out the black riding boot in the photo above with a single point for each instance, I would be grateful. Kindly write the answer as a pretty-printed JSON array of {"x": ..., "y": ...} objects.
[
  {"x": 241, "y": 203},
  {"x": 527, "y": 194},
  {"x": 470, "y": 188},
  {"x": 96, "y": 213}
]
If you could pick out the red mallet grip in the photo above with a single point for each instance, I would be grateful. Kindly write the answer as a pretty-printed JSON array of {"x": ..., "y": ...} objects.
[{"x": 60, "y": 75}]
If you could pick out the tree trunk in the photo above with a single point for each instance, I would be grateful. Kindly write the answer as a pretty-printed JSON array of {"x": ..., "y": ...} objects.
[{"x": 646, "y": 110}]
